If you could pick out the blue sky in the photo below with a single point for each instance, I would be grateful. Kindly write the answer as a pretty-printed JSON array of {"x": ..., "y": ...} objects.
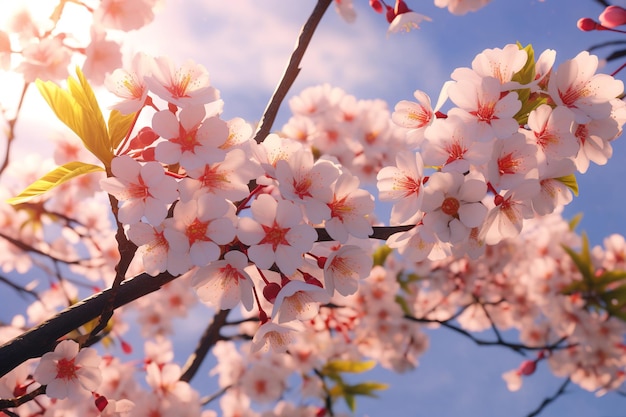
[{"x": 245, "y": 45}]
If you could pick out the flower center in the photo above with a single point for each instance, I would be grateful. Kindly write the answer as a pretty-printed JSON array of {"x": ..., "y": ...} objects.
[
  {"x": 66, "y": 369},
  {"x": 196, "y": 231},
  {"x": 275, "y": 235},
  {"x": 450, "y": 206}
]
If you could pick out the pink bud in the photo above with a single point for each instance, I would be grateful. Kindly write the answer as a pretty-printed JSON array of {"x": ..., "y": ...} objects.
[
  {"x": 587, "y": 24},
  {"x": 126, "y": 347},
  {"x": 613, "y": 16},
  {"x": 270, "y": 291},
  {"x": 390, "y": 14},
  {"x": 527, "y": 367},
  {"x": 321, "y": 261},
  {"x": 376, "y": 5},
  {"x": 401, "y": 7},
  {"x": 101, "y": 403}
]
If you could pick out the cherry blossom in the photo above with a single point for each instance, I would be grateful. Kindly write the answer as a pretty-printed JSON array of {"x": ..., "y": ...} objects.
[
  {"x": 513, "y": 160},
  {"x": 452, "y": 203},
  {"x": 124, "y": 15},
  {"x": 298, "y": 301},
  {"x": 551, "y": 129},
  {"x": 499, "y": 63},
  {"x": 414, "y": 116},
  {"x": 154, "y": 248},
  {"x": 143, "y": 190},
  {"x": 276, "y": 234},
  {"x": 193, "y": 141},
  {"x": 205, "y": 223},
  {"x": 271, "y": 335},
  {"x": 454, "y": 146},
  {"x": 183, "y": 86},
  {"x": 224, "y": 283},
  {"x": 349, "y": 209},
  {"x": 344, "y": 268},
  {"x": 483, "y": 105},
  {"x": 47, "y": 59},
  {"x": 102, "y": 57},
  {"x": 577, "y": 86},
  {"x": 69, "y": 372},
  {"x": 307, "y": 182},
  {"x": 129, "y": 84},
  {"x": 402, "y": 184}
]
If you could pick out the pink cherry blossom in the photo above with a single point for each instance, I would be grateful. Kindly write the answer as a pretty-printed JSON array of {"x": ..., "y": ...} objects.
[
  {"x": 482, "y": 104},
  {"x": 552, "y": 131},
  {"x": 405, "y": 22},
  {"x": 143, "y": 190},
  {"x": 349, "y": 209},
  {"x": 452, "y": 205},
  {"x": 344, "y": 268},
  {"x": 513, "y": 160},
  {"x": 205, "y": 223},
  {"x": 124, "y": 15},
  {"x": 554, "y": 193},
  {"x": 183, "y": 86},
  {"x": 577, "y": 86},
  {"x": 69, "y": 372},
  {"x": 498, "y": 63},
  {"x": 129, "y": 84},
  {"x": 298, "y": 301},
  {"x": 271, "y": 335},
  {"x": 276, "y": 234},
  {"x": 225, "y": 283},
  {"x": 102, "y": 57},
  {"x": 228, "y": 179},
  {"x": 506, "y": 219},
  {"x": 192, "y": 140},
  {"x": 46, "y": 59},
  {"x": 154, "y": 249},
  {"x": 307, "y": 182},
  {"x": 454, "y": 146},
  {"x": 418, "y": 244},
  {"x": 414, "y": 116},
  {"x": 402, "y": 184}
]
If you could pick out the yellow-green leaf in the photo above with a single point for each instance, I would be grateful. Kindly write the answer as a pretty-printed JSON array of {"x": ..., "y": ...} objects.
[
  {"x": 119, "y": 125},
  {"x": 573, "y": 224},
  {"x": 337, "y": 366},
  {"x": 78, "y": 109},
  {"x": 380, "y": 255},
  {"x": 56, "y": 177},
  {"x": 570, "y": 182}
]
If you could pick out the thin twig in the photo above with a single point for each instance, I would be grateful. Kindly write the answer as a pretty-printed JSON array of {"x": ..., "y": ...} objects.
[
  {"x": 291, "y": 72},
  {"x": 18, "y": 288},
  {"x": 549, "y": 400},
  {"x": 22, "y": 399}
]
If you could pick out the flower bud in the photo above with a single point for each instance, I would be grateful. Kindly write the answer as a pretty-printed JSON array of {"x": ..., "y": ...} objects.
[
  {"x": 613, "y": 16},
  {"x": 376, "y": 5},
  {"x": 587, "y": 24},
  {"x": 527, "y": 367}
]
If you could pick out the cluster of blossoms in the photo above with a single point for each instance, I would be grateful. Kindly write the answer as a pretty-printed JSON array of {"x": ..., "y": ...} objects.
[{"x": 281, "y": 227}]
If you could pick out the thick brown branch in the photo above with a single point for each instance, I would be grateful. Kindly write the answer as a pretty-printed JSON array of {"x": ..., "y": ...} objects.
[
  {"x": 41, "y": 339},
  {"x": 210, "y": 337},
  {"x": 291, "y": 72},
  {"x": 380, "y": 232}
]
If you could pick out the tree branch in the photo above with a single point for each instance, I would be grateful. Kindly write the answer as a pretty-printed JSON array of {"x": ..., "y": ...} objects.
[
  {"x": 210, "y": 337},
  {"x": 22, "y": 399},
  {"x": 291, "y": 72},
  {"x": 549, "y": 400},
  {"x": 41, "y": 339}
]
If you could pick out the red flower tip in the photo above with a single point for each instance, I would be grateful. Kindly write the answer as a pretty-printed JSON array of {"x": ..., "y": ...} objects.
[
  {"x": 376, "y": 5},
  {"x": 101, "y": 403}
]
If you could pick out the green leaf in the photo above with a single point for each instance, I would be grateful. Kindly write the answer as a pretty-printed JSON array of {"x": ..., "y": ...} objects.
[
  {"x": 403, "y": 304},
  {"x": 573, "y": 224},
  {"x": 337, "y": 366},
  {"x": 78, "y": 108},
  {"x": 526, "y": 75},
  {"x": 366, "y": 388},
  {"x": 583, "y": 261},
  {"x": 380, "y": 255},
  {"x": 119, "y": 125},
  {"x": 54, "y": 178},
  {"x": 609, "y": 277},
  {"x": 570, "y": 182}
]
